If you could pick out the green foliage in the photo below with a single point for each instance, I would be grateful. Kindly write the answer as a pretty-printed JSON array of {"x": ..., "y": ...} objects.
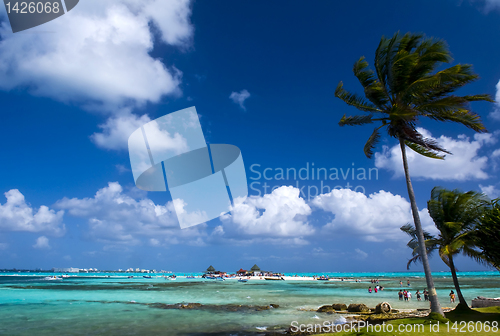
[
  {"x": 457, "y": 216},
  {"x": 487, "y": 234},
  {"x": 435, "y": 317},
  {"x": 405, "y": 86}
]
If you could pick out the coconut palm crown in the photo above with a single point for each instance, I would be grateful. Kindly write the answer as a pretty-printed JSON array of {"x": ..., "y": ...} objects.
[{"x": 405, "y": 87}]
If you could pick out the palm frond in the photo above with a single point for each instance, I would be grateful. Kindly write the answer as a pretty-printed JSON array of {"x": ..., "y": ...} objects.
[
  {"x": 408, "y": 133},
  {"x": 374, "y": 91},
  {"x": 354, "y": 100},
  {"x": 424, "y": 151},
  {"x": 434, "y": 86},
  {"x": 463, "y": 116},
  {"x": 372, "y": 142},
  {"x": 355, "y": 120}
]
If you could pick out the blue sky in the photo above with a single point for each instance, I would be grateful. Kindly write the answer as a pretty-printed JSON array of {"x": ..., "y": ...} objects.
[{"x": 262, "y": 77}]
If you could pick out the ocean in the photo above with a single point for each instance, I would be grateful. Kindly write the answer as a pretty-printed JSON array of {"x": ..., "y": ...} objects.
[{"x": 113, "y": 304}]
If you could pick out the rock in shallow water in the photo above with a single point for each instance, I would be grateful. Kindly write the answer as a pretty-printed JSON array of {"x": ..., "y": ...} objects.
[
  {"x": 383, "y": 308},
  {"x": 358, "y": 308}
]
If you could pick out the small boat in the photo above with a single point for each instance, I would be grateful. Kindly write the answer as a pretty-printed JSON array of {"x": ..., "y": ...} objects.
[
  {"x": 243, "y": 280},
  {"x": 147, "y": 276},
  {"x": 324, "y": 278},
  {"x": 274, "y": 278},
  {"x": 52, "y": 278},
  {"x": 130, "y": 276}
]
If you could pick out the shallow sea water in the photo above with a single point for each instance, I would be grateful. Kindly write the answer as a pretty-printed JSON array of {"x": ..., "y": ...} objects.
[{"x": 93, "y": 304}]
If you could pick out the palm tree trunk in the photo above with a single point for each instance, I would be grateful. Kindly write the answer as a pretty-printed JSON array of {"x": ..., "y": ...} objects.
[
  {"x": 455, "y": 282},
  {"x": 435, "y": 305}
]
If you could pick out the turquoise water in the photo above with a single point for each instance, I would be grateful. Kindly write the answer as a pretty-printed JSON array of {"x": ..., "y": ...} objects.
[{"x": 95, "y": 304}]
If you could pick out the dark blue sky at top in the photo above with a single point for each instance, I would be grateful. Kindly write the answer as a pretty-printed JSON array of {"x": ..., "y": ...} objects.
[{"x": 289, "y": 55}]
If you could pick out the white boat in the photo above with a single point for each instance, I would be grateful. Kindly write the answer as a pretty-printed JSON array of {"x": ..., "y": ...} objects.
[{"x": 52, "y": 278}]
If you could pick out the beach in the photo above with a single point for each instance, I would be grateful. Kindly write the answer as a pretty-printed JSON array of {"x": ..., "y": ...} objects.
[{"x": 112, "y": 303}]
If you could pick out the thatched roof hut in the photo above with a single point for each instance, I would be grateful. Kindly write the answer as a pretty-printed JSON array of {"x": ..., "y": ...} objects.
[{"x": 255, "y": 268}]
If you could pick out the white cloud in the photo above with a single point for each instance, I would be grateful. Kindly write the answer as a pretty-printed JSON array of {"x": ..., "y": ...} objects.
[
  {"x": 376, "y": 217},
  {"x": 281, "y": 214},
  {"x": 464, "y": 164},
  {"x": 99, "y": 55},
  {"x": 17, "y": 215},
  {"x": 98, "y": 52},
  {"x": 116, "y": 130},
  {"x": 42, "y": 243},
  {"x": 490, "y": 190},
  {"x": 360, "y": 254},
  {"x": 491, "y": 5},
  {"x": 240, "y": 97},
  {"x": 117, "y": 218},
  {"x": 154, "y": 242},
  {"x": 495, "y": 114}
]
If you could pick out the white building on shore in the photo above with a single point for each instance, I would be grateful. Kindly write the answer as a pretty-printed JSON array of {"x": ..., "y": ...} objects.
[{"x": 66, "y": 270}]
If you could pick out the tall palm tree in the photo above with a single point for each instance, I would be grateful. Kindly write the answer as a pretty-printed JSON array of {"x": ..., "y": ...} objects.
[
  {"x": 456, "y": 216},
  {"x": 403, "y": 88}
]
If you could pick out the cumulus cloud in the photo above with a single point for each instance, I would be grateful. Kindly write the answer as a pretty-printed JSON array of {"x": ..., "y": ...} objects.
[
  {"x": 100, "y": 51},
  {"x": 464, "y": 164},
  {"x": 240, "y": 97},
  {"x": 99, "y": 55},
  {"x": 495, "y": 114},
  {"x": 491, "y": 191},
  {"x": 116, "y": 130},
  {"x": 490, "y": 4},
  {"x": 42, "y": 243},
  {"x": 17, "y": 215},
  {"x": 115, "y": 217},
  {"x": 281, "y": 214},
  {"x": 376, "y": 217},
  {"x": 360, "y": 254}
]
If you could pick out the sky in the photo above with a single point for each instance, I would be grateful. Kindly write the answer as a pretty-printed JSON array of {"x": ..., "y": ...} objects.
[{"x": 262, "y": 77}]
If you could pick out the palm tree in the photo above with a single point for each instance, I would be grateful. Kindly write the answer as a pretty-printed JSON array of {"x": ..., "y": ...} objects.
[
  {"x": 404, "y": 88},
  {"x": 490, "y": 227},
  {"x": 456, "y": 216}
]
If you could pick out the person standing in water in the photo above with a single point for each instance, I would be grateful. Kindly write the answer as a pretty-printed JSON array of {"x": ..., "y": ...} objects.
[
  {"x": 452, "y": 297},
  {"x": 417, "y": 294}
]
